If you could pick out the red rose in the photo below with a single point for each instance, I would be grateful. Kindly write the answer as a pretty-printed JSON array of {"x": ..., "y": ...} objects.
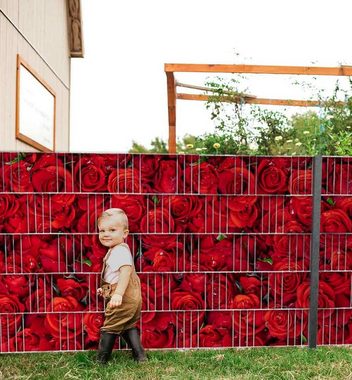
[
  {"x": 222, "y": 163},
  {"x": 186, "y": 301},
  {"x": 220, "y": 319},
  {"x": 53, "y": 212},
  {"x": 236, "y": 181},
  {"x": 335, "y": 221},
  {"x": 71, "y": 287},
  {"x": 300, "y": 182},
  {"x": 247, "y": 322},
  {"x": 62, "y": 323},
  {"x": 246, "y": 301},
  {"x": 153, "y": 244},
  {"x": 147, "y": 164},
  {"x": 21, "y": 221},
  {"x": 345, "y": 204},
  {"x": 158, "y": 332},
  {"x": 162, "y": 241},
  {"x": 271, "y": 204},
  {"x": 302, "y": 208},
  {"x": 15, "y": 177},
  {"x": 40, "y": 299},
  {"x": 167, "y": 177},
  {"x": 27, "y": 252},
  {"x": 158, "y": 289},
  {"x": 210, "y": 336},
  {"x": 251, "y": 284},
  {"x": 49, "y": 175},
  {"x": 194, "y": 282},
  {"x": 284, "y": 324},
  {"x": 124, "y": 181},
  {"x": 52, "y": 257},
  {"x": 92, "y": 323},
  {"x": 272, "y": 176},
  {"x": 10, "y": 321},
  {"x": 219, "y": 291},
  {"x": 91, "y": 203},
  {"x": 153, "y": 337},
  {"x": 213, "y": 254},
  {"x": 274, "y": 219},
  {"x": 338, "y": 177},
  {"x": 339, "y": 259},
  {"x": 9, "y": 205},
  {"x": 213, "y": 217},
  {"x": 243, "y": 211},
  {"x": 340, "y": 282},
  {"x": 294, "y": 247},
  {"x": 90, "y": 174},
  {"x": 183, "y": 209},
  {"x": 157, "y": 221},
  {"x": 25, "y": 340},
  {"x": 87, "y": 222},
  {"x": 17, "y": 284},
  {"x": 283, "y": 285},
  {"x": 134, "y": 207},
  {"x": 326, "y": 297},
  {"x": 201, "y": 178},
  {"x": 148, "y": 302},
  {"x": 62, "y": 210},
  {"x": 164, "y": 260},
  {"x": 110, "y": 161}
]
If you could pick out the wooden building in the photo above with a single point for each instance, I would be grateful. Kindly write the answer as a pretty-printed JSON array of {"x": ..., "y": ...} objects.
[{"x": 38, "y": 37}]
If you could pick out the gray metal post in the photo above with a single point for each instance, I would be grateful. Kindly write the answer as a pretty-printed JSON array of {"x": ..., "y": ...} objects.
[{"x": 314, "y": 253}]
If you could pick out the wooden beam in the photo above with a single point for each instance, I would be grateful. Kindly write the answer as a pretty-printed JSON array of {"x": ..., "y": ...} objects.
[
  {"x": 171, "y": 104},
  {"x": 276, "y": 102},
  {"x": 257, "y": 69},
  {"x": 210, "y": 89}
]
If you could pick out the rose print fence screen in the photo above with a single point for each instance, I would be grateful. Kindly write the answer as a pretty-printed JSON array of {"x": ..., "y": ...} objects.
[{"x": 221, "y": 244}]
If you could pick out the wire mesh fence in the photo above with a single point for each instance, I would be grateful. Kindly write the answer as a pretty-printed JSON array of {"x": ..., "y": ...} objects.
[{"x": 222, "y": 245}]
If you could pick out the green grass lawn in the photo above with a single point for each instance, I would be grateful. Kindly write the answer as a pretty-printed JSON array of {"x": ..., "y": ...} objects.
[{"x": 255, "y": 363}]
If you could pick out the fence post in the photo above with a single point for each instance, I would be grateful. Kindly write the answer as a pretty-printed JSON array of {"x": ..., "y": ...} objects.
[{"x": 314, "y": 253}]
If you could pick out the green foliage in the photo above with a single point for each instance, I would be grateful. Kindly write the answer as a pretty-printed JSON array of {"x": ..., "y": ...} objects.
[
  {"x": 241, "y": 128},
  {"x": 158, "y": 146},
  {"x": 263, "y": 131}
]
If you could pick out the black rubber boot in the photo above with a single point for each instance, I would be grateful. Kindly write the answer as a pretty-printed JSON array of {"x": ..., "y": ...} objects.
[
  {"x": 131, "y": 337},
  {"x": 106, "y": 344}
]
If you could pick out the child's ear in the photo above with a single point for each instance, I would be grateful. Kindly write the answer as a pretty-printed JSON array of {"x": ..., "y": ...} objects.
[{"x": 125, "y": 233}]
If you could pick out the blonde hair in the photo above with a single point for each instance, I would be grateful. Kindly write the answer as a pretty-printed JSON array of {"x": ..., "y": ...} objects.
[{"x": 118, "y": 212}]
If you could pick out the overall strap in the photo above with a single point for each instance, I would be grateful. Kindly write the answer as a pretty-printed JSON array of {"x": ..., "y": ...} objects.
[{"x": 104, "y": 263}]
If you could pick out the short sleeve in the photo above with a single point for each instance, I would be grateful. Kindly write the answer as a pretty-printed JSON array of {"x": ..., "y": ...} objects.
[{"x": 119, "y": 257}]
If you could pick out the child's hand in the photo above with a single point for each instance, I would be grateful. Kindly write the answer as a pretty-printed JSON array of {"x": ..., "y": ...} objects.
[
  {"x": 100, "y": 291},
  {"x": 116, "y": 300}
]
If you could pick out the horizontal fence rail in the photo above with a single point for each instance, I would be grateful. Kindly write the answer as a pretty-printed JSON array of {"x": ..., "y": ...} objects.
[{"x": 224, "y": 246}]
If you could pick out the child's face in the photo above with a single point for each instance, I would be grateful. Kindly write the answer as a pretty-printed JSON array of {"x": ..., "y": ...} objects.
[{"x": 111, "y": 231}]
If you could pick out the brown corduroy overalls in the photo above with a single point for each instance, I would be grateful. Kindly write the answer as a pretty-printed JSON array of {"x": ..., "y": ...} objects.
[{"x": 126, "y": 315}]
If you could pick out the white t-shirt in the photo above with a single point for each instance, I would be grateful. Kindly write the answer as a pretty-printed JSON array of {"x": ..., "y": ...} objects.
[{"x": 116, "y": 257}]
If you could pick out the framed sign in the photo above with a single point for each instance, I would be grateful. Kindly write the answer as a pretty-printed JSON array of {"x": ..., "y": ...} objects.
[{"x": 35, "y": 109}]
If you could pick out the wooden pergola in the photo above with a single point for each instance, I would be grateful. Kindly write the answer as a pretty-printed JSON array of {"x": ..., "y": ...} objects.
[{"x": 173, "y": 95}]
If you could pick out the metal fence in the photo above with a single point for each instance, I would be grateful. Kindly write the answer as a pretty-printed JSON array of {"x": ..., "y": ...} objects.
[{"x": 232, "y": 251}]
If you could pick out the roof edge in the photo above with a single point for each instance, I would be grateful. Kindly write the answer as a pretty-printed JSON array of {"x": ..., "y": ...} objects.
[{"x": 75, "y": 28}]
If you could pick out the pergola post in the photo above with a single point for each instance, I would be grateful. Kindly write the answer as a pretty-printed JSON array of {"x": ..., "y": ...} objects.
[{"x": 171, "y": 104}]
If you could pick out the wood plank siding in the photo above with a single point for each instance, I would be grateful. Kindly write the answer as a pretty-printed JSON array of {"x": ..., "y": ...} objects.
[{"x": 37, "y": 30}]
